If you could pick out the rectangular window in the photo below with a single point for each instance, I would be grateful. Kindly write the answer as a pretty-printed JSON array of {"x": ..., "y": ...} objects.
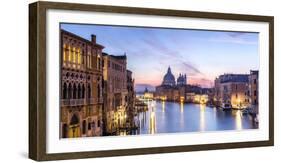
[
  {"x": 79, "y": 56},
  {"x": 73, "y": 55},
  {"x": 89, "y": 126},
  {"x": 69, "y": 54}
]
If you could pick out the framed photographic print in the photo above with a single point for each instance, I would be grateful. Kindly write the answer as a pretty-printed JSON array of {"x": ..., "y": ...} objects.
[{"x": 111, "y": 81}]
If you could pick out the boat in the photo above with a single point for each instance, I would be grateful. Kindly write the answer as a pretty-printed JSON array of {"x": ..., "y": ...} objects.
[
  {"x": 256, "y": 119},
  {"x": 226, "y": 106},
  {"x": 245, "y": 111}
]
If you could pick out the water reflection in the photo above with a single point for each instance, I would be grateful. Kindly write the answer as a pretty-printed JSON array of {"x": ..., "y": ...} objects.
[
  {"x": 152, "y": 123},
  {"x": 181, "y": 107},
  {"x": 170, "y": 117},
  {"x": 238, "y": 120},
  {"x": 163, "y": 106},
  {"x": 202, "y": 117}
]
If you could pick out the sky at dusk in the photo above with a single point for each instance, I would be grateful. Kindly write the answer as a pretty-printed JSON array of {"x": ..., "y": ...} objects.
[{"x": 201, "y": 55}]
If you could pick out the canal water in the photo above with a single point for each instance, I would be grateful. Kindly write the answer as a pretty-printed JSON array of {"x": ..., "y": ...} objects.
[{"x": 172, "y": 117}]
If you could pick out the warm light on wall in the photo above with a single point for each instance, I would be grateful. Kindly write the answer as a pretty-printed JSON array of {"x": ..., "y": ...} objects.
[
  {"x": 69, "y": 53},
  {"x": 73, "y": 55},
  {"x": 163, "y": 106},
  {"x": 163, "y": 98},
  {"x": 181, "y": 99},
  {"x": 64, "y": 52},
  {"x": 79, "y": 55}
]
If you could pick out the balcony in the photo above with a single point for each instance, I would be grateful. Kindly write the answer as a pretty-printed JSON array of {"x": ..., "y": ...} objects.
[
  {"x": 73, "y": 102},
  {"x": 94, "y": 100},
  {"x": 90, "y": 101}
]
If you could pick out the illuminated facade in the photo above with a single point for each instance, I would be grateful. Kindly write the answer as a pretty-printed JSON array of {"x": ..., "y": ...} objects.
[
  {"x": 232, "y": 89},
  {"x": 81, "y": 96},
  {"x": 253, "y": 90},
  {"x": 115, "y": 84},
  {"x": 148, "y": 95}
]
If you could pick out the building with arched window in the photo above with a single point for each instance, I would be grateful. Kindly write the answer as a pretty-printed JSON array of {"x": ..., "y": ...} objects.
[{"x": 81, "y": 99}]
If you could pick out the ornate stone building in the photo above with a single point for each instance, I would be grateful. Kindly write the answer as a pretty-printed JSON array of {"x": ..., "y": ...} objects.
[{"x": 81, "y": 96}]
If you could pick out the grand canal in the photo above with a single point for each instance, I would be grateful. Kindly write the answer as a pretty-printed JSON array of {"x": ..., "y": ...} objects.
[{"x": 172, "y": 117}]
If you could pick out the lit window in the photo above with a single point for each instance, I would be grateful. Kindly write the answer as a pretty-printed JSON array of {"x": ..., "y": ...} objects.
[
  {"x": 64, "y": 52},
  {"x": 69, "y": 53},
  {"x": 79, "y": 56},
  {"x": 74, "y": 55}
]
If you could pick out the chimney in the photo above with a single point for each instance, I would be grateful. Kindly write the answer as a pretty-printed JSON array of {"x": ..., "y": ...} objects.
[{"x": 93, "y": 39}]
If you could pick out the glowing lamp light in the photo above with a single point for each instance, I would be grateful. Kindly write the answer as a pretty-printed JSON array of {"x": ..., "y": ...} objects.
[{"x": 181, "y": 99}]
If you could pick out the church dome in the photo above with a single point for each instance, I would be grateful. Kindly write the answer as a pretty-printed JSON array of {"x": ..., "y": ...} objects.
[{"x": 169, "y": 78}]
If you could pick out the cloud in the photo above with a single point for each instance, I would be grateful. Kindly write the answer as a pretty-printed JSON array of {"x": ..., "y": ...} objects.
[
  {"x": 235, "y": 34},
  {"x": 203, "y": 82},
  {"x": 234, "y": 38},
  {"x": 170, "y": 57},
  {"x": 190, "y": 68}
]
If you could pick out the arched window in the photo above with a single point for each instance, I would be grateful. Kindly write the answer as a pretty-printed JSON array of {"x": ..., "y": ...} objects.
[
  {"x": 83, "y": 91},
  {"x": 98, "y": 123},
  {"x": 89, "y": 91},
  {"x": 74, "y": 120},
  {"x": 74, "y": 92},
  {"x": 84, "y": 127},
  {"x": 79, "y": 92},
  {"x": 64, "y": 131},
  {"x": 99, "y": 93},
  {"x": 69, "y": 91},
  {"x": 64, "y": 91},
  {"x": 89, "y": 126}
]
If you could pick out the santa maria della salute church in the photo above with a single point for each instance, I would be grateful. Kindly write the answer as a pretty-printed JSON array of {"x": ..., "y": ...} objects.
[
  {"x": 175, "y": 90},
  {"x": 169, "y": 79}
]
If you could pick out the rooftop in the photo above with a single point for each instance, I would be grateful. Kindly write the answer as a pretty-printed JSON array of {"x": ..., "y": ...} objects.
[{"x": 234, "y": 78}]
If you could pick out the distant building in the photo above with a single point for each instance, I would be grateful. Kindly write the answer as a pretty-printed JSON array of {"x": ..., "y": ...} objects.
[
  {"x": 233, "y": 89},
  {"x": 148, "y": 95},
  {"x": 253, "y": 90},
  {"x": 180, "y": 91},
  {"x": 190, "y": 97},
  {"x": 169, "y": 79},
  {"x": 181, "y": 80}
]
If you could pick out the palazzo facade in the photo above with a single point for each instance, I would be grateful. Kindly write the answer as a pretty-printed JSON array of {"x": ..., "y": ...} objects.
[{"x": 81, "y": 97}]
